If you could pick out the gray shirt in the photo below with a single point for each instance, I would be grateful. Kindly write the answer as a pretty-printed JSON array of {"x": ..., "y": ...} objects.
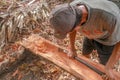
[{"x": 103, "y": 23}]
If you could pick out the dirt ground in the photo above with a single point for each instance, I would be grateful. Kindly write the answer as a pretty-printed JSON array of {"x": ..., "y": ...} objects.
[
  {"x": 32, "y": 67},
  {"x": 17, "y": 63}
]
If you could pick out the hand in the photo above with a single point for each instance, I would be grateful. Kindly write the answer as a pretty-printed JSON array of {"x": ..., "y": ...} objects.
[
  {"x": 112, "y": 74},
  {"x": 72, "y": 53}
]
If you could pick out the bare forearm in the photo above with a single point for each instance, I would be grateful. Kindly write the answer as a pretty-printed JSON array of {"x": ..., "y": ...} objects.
[
  {"x": 72, "y": 52},
  {"x": 72, "y": 36},
  {"x": 115, "y": 56},
  {"x": 112, "y": 61}
]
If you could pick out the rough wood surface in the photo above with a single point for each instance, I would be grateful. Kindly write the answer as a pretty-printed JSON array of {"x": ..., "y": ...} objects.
[{"x": 48, "y": 50}]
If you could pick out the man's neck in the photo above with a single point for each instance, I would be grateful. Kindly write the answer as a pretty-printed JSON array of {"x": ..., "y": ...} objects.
[{"x": 84, "y": 14}]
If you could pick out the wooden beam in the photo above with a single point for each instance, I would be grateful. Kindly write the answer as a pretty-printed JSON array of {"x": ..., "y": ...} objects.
[{"x": 50, "y": 51}]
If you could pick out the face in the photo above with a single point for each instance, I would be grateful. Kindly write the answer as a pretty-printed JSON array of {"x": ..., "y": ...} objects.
[{"x": 75, "y": 29}]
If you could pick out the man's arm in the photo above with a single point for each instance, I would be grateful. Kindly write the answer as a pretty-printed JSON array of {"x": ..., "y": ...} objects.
[
  {"x": 72, "y": 36},
  {"x": 112, "y": 61}
]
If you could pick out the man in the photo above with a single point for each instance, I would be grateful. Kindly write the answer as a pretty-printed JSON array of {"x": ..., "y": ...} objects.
[
  {"x": 98, "y": 21},
  {"x": 117, "y": 2}
]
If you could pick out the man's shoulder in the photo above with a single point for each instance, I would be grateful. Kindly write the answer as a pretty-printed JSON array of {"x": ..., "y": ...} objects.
[
  {"x": 96, "y": 3},
  {"x": 105, "y": 5}
]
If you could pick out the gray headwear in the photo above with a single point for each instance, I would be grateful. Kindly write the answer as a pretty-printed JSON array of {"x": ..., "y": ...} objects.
[{"x": 63, "y": 19}]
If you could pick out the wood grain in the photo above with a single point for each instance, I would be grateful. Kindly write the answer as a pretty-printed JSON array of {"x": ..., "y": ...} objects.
[{"x": 50, "y": 51}]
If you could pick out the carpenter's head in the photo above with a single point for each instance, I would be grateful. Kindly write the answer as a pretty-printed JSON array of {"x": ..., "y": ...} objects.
[{"x": 63, "y": 19}]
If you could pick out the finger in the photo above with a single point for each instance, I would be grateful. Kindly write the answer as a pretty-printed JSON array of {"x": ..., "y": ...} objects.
[{"x": 69, "y": 55}]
